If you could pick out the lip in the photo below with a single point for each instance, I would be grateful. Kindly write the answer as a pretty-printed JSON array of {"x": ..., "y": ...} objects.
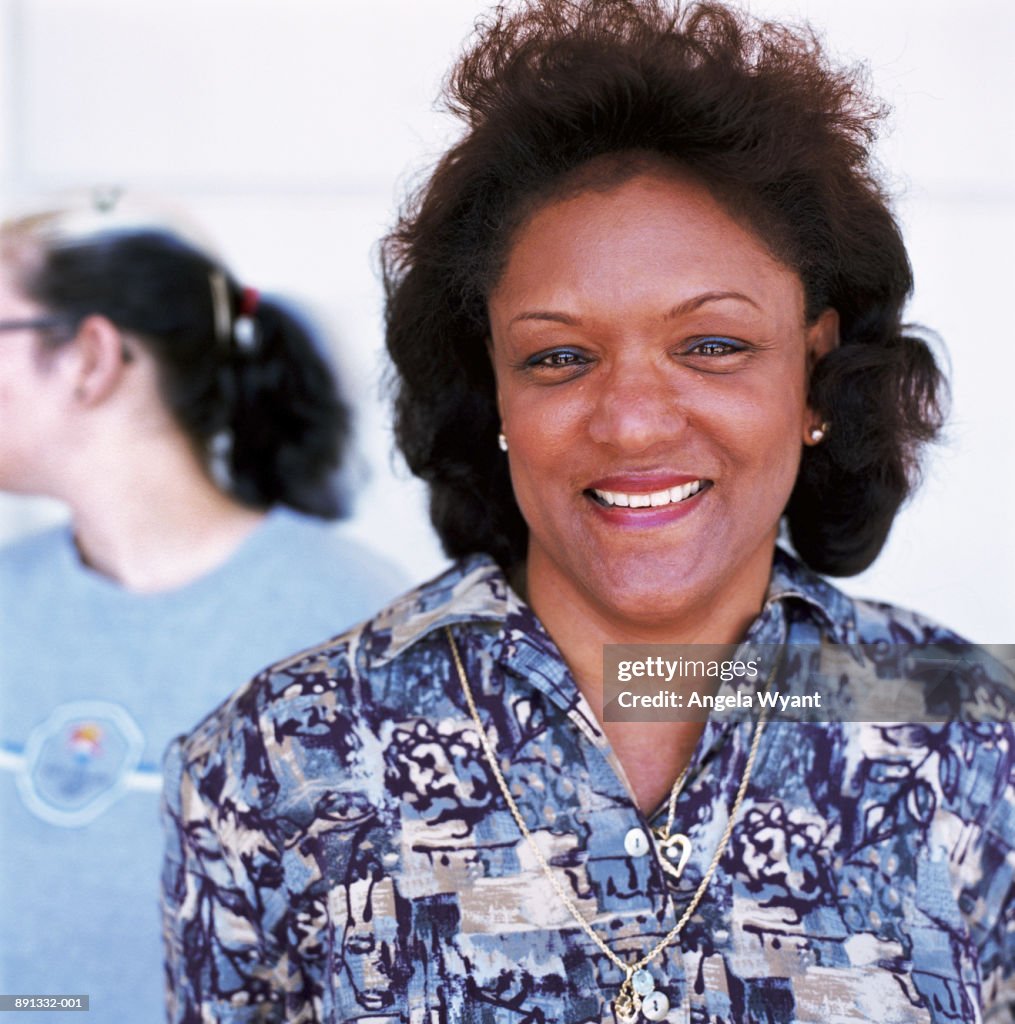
[{"x": 643, "y": 483}]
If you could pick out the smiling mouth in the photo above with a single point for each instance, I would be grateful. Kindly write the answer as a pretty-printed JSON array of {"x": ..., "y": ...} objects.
[{"x": 654, "y": 499}]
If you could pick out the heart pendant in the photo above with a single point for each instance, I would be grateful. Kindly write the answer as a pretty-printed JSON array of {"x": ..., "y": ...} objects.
[{"x": 675, "y": 850}]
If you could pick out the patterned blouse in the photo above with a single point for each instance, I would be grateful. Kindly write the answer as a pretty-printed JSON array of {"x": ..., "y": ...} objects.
[{"x": 339, "y": 850}]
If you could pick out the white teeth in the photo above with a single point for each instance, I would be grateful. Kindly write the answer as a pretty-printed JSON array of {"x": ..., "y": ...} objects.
[
  {"x": 681, "y": 493},
  {"x": 655, "y": 499}
]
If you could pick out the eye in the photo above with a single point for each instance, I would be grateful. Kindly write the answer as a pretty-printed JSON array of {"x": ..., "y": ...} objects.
[
  {"x": 564, "y": 358},
  {"x": 716, "y": 346},
  {"x": 558, "y": 365}
]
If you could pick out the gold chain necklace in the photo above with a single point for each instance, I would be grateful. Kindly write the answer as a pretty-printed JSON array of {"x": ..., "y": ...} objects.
[{"x": 637, "y": 982}]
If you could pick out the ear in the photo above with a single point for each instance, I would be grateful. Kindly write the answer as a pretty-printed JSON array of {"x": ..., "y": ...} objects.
[
  {"x": 822, "y": 337},
  {"x": 101, "y": 356}
]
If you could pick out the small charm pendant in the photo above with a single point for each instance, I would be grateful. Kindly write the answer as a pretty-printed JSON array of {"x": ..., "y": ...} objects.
[
  {"x": 627, "y": 1005},
  {"x": 675, "y": 850},
  {"x": 643, "y": 982}
]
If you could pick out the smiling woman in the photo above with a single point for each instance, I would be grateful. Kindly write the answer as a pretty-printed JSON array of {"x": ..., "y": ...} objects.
[
  {"x": 645, "y": 312},
  {"x": 643, "y": 340}
]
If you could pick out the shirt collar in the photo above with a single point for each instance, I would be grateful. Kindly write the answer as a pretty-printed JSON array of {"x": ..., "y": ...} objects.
[
  {"x": 476, "y": 590},
  {"x": 472, "y": 590},
  {"x": 792, "y": 583}
]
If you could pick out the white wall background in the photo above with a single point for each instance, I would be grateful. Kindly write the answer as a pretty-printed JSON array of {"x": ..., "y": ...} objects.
[{"x": 290, "y": 128}]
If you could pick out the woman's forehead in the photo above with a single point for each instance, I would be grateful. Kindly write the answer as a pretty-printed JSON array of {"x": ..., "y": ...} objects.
[
  {"x": 654, "y": 235},
  {"x": 653, "y": 173}
]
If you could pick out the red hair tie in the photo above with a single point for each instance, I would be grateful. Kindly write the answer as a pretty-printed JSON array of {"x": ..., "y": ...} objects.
[{"x": 249, "y": 299}]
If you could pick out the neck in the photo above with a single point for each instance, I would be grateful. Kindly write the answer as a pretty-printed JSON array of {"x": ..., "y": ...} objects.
[
  {"x": 581, "y": 625},
  {"x": 147, "y": 515},
  {"x": 651, "y": 754}
]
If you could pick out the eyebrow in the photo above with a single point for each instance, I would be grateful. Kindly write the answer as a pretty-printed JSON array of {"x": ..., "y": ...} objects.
[
  {"x": 545, "y": 314},
  {"x": 681, "y": 309}
]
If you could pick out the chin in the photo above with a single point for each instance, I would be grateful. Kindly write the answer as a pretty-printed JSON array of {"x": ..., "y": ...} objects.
[
  {"x": 663, "y": 588},
  {"x": 652, "y": 595}
]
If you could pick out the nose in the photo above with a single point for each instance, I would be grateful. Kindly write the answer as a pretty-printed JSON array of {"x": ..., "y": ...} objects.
[{"x": 637, "y": 406}]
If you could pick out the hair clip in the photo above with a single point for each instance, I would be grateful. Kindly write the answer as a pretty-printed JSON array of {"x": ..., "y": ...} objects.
[{"x": 220, "y": 307}]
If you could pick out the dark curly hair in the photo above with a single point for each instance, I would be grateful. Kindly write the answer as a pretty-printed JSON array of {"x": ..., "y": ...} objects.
[{"x": 781, "y": 138}]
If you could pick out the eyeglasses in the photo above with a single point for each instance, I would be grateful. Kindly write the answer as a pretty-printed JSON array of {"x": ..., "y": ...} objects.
[
  {"x": 41, "y": 323},
  {"x": 36, "y": 323}
]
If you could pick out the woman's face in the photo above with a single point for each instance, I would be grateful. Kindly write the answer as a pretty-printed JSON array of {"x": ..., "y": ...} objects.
[{"x": 652, "y": 361}]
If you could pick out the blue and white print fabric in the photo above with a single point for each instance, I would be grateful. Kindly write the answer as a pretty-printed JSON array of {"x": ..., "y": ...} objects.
[{"x": 338, "y": 848}]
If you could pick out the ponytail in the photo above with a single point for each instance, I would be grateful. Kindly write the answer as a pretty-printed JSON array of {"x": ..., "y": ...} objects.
[
  {"x": 287, "y": 424},
  {"x": 245, "y": 379}
]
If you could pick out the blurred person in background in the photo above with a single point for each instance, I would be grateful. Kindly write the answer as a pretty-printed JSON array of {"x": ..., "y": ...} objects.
[{"x": 194, "y": 430}]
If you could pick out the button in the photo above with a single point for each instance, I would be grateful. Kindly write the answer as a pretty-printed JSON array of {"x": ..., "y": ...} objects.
[
  {"x": 655, "y": 1006},
  {"x": 636, "y": 843}
]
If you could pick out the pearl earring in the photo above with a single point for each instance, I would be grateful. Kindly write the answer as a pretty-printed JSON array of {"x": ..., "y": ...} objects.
[
  {"x": 818, "y": 433},
  {"x": 502, "y": 441}
]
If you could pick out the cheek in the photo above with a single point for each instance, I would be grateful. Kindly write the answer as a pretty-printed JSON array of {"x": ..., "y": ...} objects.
[
  {"x": 545, "y": 436},
  {"x": 9, "y": 398},
  {"x": 545, "y": 423},
  {"x": 758, "y": 433},
  {"x": 539, "y": 459}
]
